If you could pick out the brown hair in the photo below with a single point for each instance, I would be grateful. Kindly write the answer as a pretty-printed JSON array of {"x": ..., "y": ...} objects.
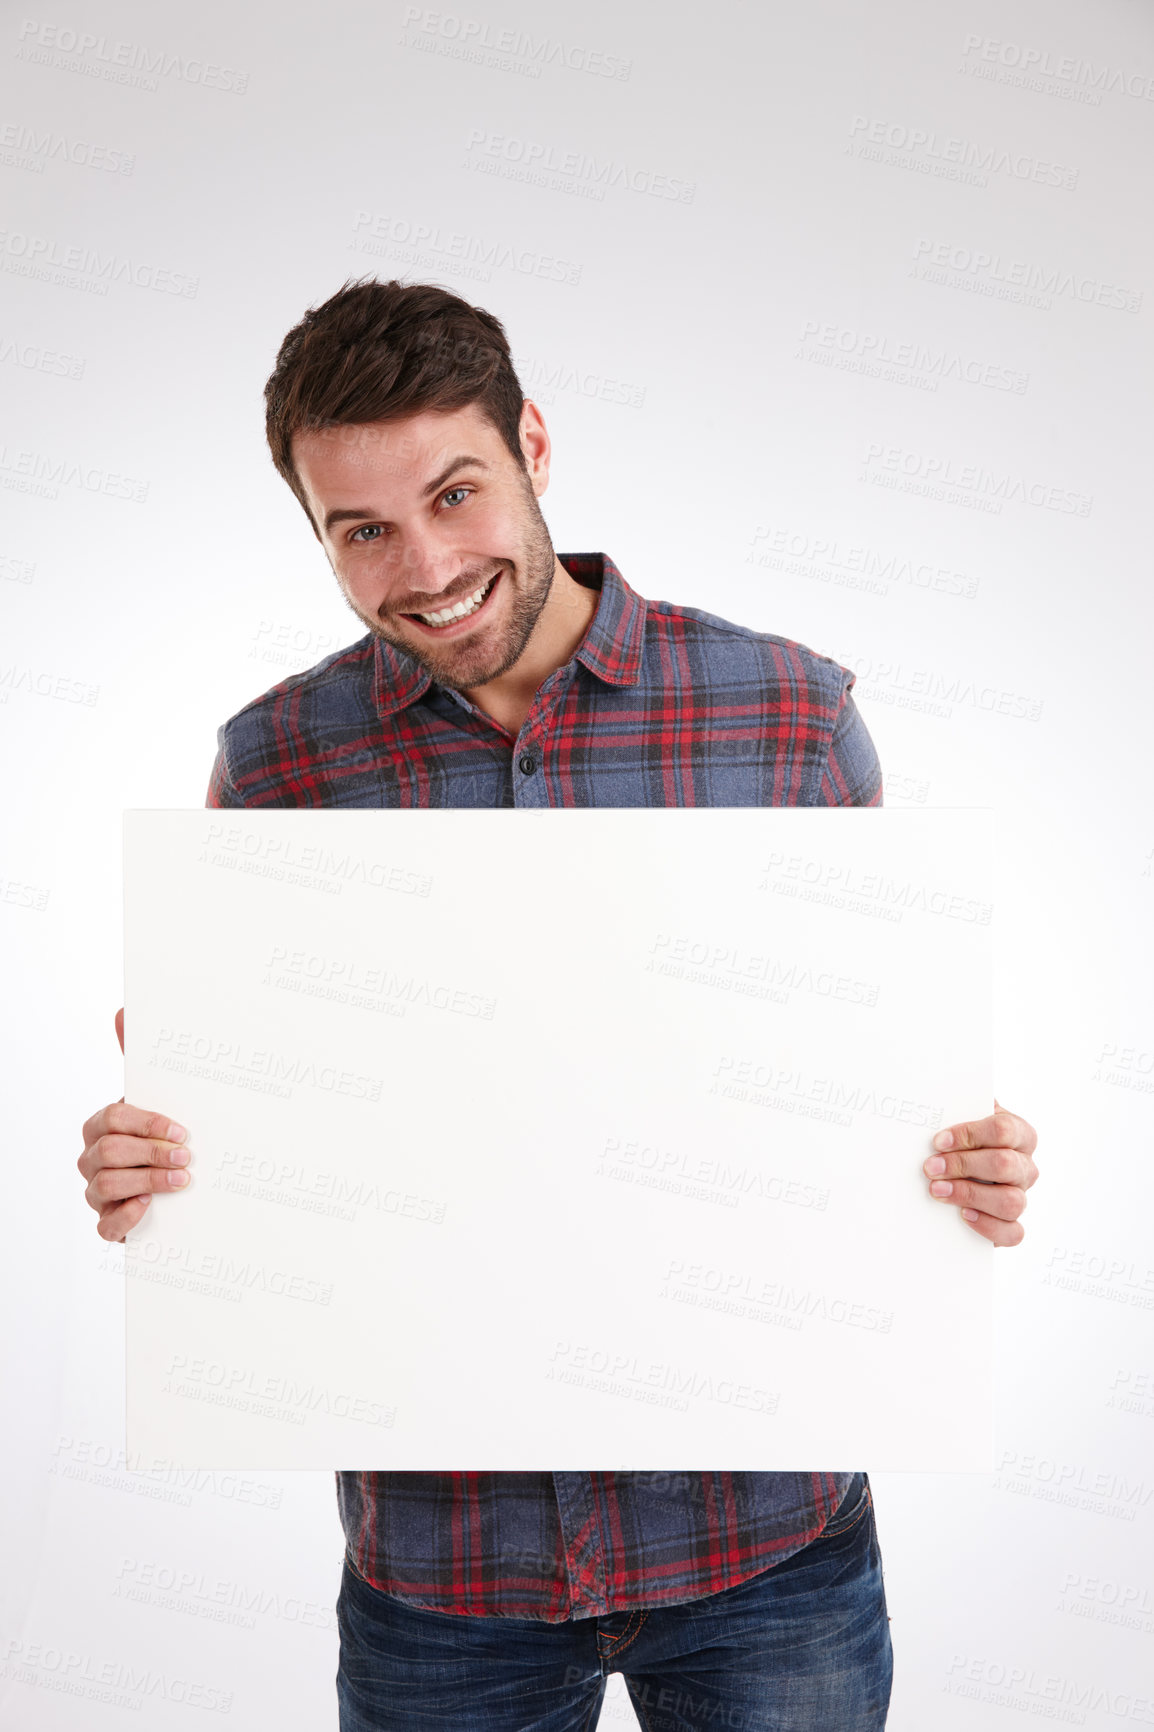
[{"x": 376, "y": 351}]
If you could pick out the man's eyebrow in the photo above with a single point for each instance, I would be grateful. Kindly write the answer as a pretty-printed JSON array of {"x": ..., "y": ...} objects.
[
  {"x": 349, "y": 513},
  {"x": 457, "y": 463}
]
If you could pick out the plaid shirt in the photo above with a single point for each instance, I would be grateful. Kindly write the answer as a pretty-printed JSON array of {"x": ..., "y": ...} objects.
[{"x": 660, "y": 705}]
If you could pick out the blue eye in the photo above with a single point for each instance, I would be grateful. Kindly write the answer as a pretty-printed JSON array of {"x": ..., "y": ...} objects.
[
  {"x": 363, "y": 527},
  {"x": 453, "y": 490}
]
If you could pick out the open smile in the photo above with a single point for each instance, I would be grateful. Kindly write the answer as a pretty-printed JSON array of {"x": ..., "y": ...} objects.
[{"x": 454, "y": 621}]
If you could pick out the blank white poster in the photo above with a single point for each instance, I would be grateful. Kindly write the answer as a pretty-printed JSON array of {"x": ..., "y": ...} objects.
[{"x": 561, "y": 1139}]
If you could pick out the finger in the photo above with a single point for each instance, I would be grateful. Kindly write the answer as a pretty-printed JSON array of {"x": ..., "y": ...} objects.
[
  {"x": 1002, "y": 1129},
  {"x": 995, "y": 1166},
  {"x": 116, "y": 1184},
  {"x": 119, "y": 1020},
  {"x": 1027, "y": 1143},
  {"x": 990, "y": 1227},
  {"x": 113, "y": 1150},
  {"x": 1006, "y": 1202},
  {"x": 120, "y": 1119},
  {"x": 116, "y": 1220}
]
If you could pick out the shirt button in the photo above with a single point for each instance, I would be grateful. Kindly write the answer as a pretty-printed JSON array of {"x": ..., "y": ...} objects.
[{"x": 527, "y": 763}]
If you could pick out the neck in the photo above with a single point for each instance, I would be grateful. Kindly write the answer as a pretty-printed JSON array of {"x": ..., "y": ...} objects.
[{"x": 562, "y": 624}]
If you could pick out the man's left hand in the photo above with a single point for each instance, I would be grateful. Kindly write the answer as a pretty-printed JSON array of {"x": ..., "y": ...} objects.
[{"x": 986, "y": 1167}]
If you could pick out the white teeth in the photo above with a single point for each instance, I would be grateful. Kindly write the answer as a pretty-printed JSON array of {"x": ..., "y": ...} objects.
[{"x": 469, "y": 605}]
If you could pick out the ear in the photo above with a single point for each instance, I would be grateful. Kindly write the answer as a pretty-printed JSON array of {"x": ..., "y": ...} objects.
[{"x": 535, "y": 446}]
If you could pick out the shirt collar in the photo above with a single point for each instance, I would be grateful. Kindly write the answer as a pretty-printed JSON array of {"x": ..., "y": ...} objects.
[{"x": 611, "y": 647}]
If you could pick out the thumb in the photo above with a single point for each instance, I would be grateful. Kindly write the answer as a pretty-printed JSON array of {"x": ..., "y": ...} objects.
[{"x": 120, "y": 1027}]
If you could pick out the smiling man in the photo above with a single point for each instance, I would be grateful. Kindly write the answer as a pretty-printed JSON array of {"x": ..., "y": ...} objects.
[
  {"x": 493, "y": 627},
  {"x": 494, "y": 672}
]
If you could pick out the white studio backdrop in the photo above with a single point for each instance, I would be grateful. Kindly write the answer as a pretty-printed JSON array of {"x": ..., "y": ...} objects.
[{"x": 839, "y": 317}]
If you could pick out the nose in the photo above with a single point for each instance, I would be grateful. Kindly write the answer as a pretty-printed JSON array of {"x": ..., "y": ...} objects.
[{"x": 423, "y": 570}]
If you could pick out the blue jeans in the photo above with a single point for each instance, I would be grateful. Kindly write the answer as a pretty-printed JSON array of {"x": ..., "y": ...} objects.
[{"x": 801, "y": 1647}]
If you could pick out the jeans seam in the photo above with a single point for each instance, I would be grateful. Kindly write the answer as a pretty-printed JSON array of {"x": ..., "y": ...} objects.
[
  {"x": 627, "y": 1636},
  {"x": 639, "y": 1710}
]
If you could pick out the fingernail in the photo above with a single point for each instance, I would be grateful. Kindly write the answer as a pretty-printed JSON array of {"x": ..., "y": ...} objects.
[
  {"x": 176, "y": 1133},
  {"x": 944, "y": 1140},
  {"x": 969, "y": 1214},
  {"x": 178, "y": 1178},
  {"x": 179, "y": 1157},
  {"x": 941, "y": 1188},
  {"x": 935, "y": 1164}
]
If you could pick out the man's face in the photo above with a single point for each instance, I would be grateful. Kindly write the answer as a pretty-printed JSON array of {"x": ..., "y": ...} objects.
[{"x": 417, "y": 516}]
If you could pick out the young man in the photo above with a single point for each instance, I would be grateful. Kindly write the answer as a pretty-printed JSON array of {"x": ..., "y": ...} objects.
[{"x": 494, "y": 672}]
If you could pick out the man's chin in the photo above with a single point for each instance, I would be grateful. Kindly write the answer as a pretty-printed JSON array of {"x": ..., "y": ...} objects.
[{"x": 461, "y": 670}]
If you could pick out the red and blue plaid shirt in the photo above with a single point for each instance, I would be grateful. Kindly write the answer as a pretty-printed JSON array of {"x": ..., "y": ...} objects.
[{"x": 660, "y": 705}]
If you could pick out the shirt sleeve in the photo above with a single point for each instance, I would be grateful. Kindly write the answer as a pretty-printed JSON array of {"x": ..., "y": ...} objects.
[
  {"x": 852, "y": 773},
  {"x": 221, "y": 791}
]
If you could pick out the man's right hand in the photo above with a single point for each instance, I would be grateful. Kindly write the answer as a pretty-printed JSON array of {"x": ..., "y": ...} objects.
[{"x": 128, "y": 1154}]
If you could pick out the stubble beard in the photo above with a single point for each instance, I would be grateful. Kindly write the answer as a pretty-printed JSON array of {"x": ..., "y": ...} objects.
[{"x": 462, "y": 666}]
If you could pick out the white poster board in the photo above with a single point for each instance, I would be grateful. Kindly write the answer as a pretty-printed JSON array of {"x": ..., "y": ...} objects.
[{"x": 563, "y": 1139}]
